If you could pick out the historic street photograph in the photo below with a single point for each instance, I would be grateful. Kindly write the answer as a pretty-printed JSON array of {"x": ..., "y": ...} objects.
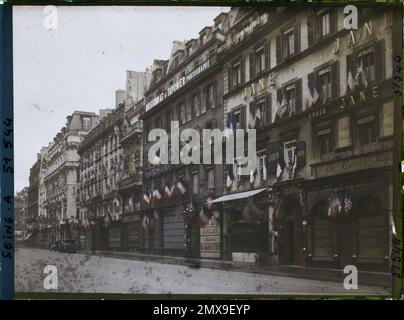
[{"x": 206, "y": 150}]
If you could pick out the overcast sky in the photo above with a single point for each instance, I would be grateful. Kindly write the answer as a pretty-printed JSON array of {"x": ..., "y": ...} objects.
[{"x": 79, "y": 65}]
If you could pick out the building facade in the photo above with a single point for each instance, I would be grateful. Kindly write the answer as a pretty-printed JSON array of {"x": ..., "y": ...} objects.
[
  {"x": 185, "y": 93},
  {"x": 130, "y": 182},
  {"x": 61, "y": 170},
  {"x": 22, "y": 231},
  {"x": 321, "y": 191}
]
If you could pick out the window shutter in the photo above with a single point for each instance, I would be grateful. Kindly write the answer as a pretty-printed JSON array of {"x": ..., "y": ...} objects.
[
  {"x": 379, "y": 60},
  {"x": 252, "y": 105},
  {"x": 278, "y": 49},
  {"x": 335, "y": 79},
  {"x": 229, "y": 78},
  {"x": 252, "y": 65},
  {"x": 268, "y": 110},
  {"x": 205, "y": 99},
  {"x": 274, "y": 154},
  {"x": 214, "y": 94},
  {"x": 296, "y": 34},
  {"x": 242, "y": 69},
  {"x": 243, "y": 117},
  {"x": 311, "y": 30},
  {"x": 333, "y": 20},
  {"x": 267, "y": 51},
  {"x": 301, "y": 153},
  {"x": 189, "y": 108},
  {"x": 298, "y": 96}
]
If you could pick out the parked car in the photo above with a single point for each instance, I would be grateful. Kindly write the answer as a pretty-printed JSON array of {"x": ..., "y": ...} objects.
[
  {"x": 69, "y": 246},
  {"x": 54, "y": 245}
]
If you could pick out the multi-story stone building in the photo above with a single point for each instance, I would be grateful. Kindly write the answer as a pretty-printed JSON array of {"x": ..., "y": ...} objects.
[
  {"x": 20, "y": 211},
  {"x": 320, "y": 99},
  {"x": 61, "y": 165},
  {"x": 32, "y": 218},
  {"x": 100, "y": 156},
  {"x": 186, "y": 89},
  {"x": 130, "y": 182},
  {"x": 103, "y": 166}
]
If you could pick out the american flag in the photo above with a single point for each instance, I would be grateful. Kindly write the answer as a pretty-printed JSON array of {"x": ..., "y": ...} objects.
[{"x": 348, "y": 202}]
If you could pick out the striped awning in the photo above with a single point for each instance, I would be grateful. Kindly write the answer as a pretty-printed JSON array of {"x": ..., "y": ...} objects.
[{"x": 237, "y": 196}]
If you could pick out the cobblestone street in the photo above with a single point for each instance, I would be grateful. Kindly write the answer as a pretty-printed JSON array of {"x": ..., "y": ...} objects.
[{"x": 96, "y": 274}]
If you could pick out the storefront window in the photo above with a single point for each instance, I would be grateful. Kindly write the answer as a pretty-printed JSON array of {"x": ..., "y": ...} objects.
[
  {"x": 372, "y": 230},
  {"x": 323, "y": 232}
]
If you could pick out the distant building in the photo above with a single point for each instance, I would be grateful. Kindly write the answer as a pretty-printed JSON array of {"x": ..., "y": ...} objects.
[
  {"x": 61, "y": 175},
  {"x": 20, "y": 214}
]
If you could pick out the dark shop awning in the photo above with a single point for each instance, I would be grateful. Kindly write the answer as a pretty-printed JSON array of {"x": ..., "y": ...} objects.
[{"x": 237, "y": 196}]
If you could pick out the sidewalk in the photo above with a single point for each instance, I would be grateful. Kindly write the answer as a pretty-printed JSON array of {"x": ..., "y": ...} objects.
[{"x": 368, "y": 278}]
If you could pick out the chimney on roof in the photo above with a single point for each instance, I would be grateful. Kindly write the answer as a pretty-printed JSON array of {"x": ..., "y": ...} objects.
[{"x": 119, "y": 97}]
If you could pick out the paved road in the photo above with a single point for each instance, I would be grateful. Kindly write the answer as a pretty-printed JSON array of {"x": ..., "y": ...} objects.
[{"x": 95, "y": 274}]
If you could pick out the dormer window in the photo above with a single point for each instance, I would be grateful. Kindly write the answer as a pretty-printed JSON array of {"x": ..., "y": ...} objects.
[{"x": 157, "y": 75}]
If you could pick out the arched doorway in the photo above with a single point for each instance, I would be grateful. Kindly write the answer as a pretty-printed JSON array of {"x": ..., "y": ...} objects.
[{"x": 289, "y": 221}]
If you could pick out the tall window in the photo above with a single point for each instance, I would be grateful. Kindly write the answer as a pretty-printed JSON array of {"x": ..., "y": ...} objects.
[
  {"x": 86, "y": 123},
  {"x": 367, "y": 130},
  {"x": 195, "y": 105},
  {"x": 262, "y": 162},
  {"x": 195, "y": 183},
  {"x": 325, "y": 84},
  {"x": 366, "y": 61},
  {"x": 237, "y": 118},
  {"x": 325, "y": 24},
  {"x": 210, "y": 97},
  {"x": 168, "y": 119},
  {"x": 289, "y": 152},
  {"x": 210, "y": 178},
  {"x": 236, "y": 74},
  {"x": 324, "y": 141},
  {"x": 157, "y": 123},
  {"x": 288, "y": 42},
  {"x": 181, "y": 112},
  {"x": 291, "y": 97},
  {"x": 259, "y": 60}
]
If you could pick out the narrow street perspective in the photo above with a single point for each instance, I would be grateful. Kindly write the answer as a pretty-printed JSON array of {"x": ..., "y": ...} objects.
[{"x": 84, "y": 273}]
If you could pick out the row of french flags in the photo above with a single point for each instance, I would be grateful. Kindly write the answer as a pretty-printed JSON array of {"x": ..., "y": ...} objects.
[{"x": 154, "y": 197}]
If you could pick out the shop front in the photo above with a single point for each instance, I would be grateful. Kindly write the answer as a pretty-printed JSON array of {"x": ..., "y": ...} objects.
[
  {"x": 351, "y": 212},
  {"x": 350, "y": 225},
  {"x": 245, "y": 226}
]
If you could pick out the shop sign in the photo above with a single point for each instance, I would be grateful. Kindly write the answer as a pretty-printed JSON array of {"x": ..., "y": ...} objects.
[
  {"x": 388, "y": 119},
  {"x": 157, "y": 170},
  {"x": 234, "y": 39},
  {"x": 360, "y": 97},
  {"x": 177, "y": 85},
  {"x": 210, "y": 239},
  {"x": 376, "y": 160},
  {"x": 257, "y": 88}
]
